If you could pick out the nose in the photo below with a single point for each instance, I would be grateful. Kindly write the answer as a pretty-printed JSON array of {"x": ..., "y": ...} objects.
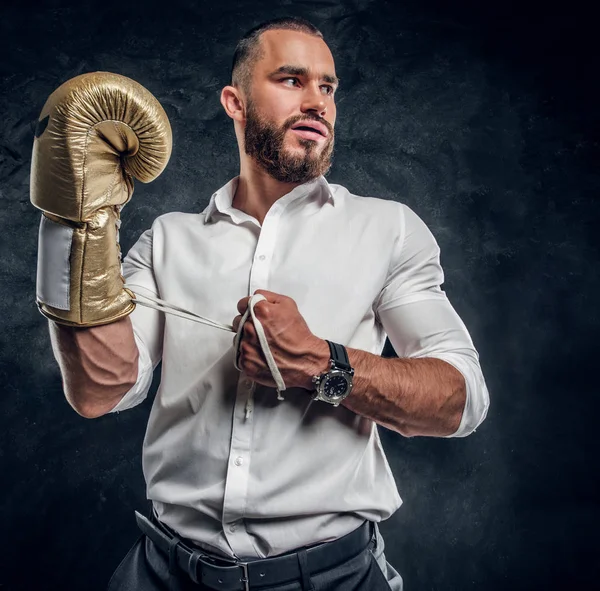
[{"x": 315, "y": 101}]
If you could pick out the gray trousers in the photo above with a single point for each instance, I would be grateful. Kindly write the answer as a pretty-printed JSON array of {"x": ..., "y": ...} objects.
[{"x": 146, "y": 568}]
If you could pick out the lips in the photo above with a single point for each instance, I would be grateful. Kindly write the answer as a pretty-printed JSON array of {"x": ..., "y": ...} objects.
[{"x": 311, "y": 127}]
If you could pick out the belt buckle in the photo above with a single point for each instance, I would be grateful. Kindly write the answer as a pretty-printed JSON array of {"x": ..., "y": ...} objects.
[{"x": 246, "y": 578}]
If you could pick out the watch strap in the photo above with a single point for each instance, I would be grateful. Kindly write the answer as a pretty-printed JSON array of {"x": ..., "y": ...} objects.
[{"x": 339, "y": 356}]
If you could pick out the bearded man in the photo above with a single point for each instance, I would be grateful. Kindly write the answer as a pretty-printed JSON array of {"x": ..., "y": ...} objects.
[{"x": 262, "y": 457}]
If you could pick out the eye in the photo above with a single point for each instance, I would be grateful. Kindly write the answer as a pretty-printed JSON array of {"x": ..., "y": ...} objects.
[{"x": 330, "y": 89}]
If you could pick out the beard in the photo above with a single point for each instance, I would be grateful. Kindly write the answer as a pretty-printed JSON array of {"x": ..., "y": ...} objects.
[{"x": 264, "y": 143}]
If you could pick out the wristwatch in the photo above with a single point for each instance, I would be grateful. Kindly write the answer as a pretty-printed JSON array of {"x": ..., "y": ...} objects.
[{"x": 334, "y": 385}]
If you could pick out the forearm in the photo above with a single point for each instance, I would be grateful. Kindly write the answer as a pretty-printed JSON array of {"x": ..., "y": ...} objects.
[
  {"x": 417, "y": 396},
  {"x": 422, "y": 396},
  {"x": 98, "y": 364}
]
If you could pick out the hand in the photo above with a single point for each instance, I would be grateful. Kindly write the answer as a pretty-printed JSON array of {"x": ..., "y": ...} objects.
[{"x": 298, "y": 353}]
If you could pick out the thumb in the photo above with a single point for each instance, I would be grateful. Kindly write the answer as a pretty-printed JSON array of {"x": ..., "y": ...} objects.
[{"x": 271, "y": 296}]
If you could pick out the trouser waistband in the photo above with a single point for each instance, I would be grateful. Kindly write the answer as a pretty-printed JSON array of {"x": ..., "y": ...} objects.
[{"x": 216, "y": 574}]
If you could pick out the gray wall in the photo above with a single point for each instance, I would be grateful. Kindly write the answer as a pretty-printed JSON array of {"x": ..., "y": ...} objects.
[{"x": 481, "y": 118}]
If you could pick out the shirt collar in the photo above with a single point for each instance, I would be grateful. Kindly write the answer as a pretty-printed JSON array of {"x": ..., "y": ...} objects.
[{"x": 221, "y": 200}]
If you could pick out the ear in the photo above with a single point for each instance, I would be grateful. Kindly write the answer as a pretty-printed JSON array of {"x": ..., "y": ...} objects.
[{"x": 233, "y": 103}]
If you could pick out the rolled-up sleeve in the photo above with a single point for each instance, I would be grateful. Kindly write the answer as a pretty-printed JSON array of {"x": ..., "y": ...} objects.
[
  {"x": 419, "y": 320},
  {"x": 148, "y": 324}
]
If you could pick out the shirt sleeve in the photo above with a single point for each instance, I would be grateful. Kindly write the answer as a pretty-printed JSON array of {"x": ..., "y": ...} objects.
[
  {"x": 148, "y": 324},
  {"x": 419, "y": 319}
]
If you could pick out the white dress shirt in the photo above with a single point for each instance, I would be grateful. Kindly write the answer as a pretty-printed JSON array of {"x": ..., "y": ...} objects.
[{"x": 295, "y": 472}]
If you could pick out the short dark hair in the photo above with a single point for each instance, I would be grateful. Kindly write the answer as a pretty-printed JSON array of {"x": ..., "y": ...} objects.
[{"x": 248, "y": 50}]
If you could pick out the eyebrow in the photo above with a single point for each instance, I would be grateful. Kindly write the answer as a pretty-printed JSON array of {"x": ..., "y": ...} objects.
[{"x": 301, "y": 71}]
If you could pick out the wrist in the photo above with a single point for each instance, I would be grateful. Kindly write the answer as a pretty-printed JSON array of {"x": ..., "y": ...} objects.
[{"x": 319, "y": 356}]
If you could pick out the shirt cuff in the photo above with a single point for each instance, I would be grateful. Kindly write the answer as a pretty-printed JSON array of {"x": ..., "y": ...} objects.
[{"x": 477, "y": 400}]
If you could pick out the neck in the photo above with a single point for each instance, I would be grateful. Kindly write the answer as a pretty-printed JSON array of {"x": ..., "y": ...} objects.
[{"x": 257, "y": 191}]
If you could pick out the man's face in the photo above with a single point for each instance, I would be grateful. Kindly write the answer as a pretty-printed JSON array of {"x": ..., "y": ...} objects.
[{"x": 293, "y": 84}]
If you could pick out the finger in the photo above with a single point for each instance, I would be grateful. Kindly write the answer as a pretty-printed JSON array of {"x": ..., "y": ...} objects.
[
  {"x": 271, "y": 296},
  {"x": 261, "y": 309},
  {"x": 243, "y": 304},
  {"x": 276, "y": 298},
  {"x": 249, "y": 330}
]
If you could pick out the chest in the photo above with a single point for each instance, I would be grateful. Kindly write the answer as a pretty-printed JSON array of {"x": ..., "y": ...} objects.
[{"x": 333, "y": 271}]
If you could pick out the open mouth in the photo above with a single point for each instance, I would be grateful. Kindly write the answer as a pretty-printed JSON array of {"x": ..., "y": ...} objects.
[
  {"x": 309, "y": 133},
  {"x": 310, "y": 129}
]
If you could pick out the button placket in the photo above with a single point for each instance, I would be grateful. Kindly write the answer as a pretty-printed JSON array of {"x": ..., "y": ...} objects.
[
  {"x": 236, "y": 486},
  {"x": 264, "y": 249},
  {"x": 238, "y": 473}
]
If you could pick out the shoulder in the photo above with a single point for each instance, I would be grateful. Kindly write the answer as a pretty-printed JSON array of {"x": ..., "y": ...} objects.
[
  {"x": 176, "y": 221},
  {"x": 392, "y": 215},
  {"x": 367, "y": 202},
  {"x": 391, "y": 211},
  {"x": 174, "y": 217}
]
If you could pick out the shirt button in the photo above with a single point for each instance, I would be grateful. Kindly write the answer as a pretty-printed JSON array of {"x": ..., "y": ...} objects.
[
  {"x": 238, "y": 461},
  {"x": 262, "y": 257},
  {"x": 232, "y": 527}
]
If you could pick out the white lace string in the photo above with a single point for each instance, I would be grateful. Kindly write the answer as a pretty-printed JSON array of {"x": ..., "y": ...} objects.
[
  {"x": 262, "y": 337},
  {"x": 162, "y": 306}
]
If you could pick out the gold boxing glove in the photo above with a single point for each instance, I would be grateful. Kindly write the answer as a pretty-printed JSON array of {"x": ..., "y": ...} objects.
[{"x": 95, "y": 133}]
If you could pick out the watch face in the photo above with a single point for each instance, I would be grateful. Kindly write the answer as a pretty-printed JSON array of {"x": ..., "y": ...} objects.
[{"x": 335, "y": 386}]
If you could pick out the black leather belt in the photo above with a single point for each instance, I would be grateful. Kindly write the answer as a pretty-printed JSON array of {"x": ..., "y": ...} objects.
[{"x": 244, "y": 576}]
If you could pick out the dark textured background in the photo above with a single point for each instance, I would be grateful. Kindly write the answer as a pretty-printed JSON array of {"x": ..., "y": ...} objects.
[{"x": 481, "y": 117}]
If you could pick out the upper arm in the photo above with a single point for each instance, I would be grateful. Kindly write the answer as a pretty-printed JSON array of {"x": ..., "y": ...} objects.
[
  {"x": 138, "y": 271},
  {"x": 419, "y": 320},
  {"x": 415, "y": 272},
  {"x": 147, "y": 323}
]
